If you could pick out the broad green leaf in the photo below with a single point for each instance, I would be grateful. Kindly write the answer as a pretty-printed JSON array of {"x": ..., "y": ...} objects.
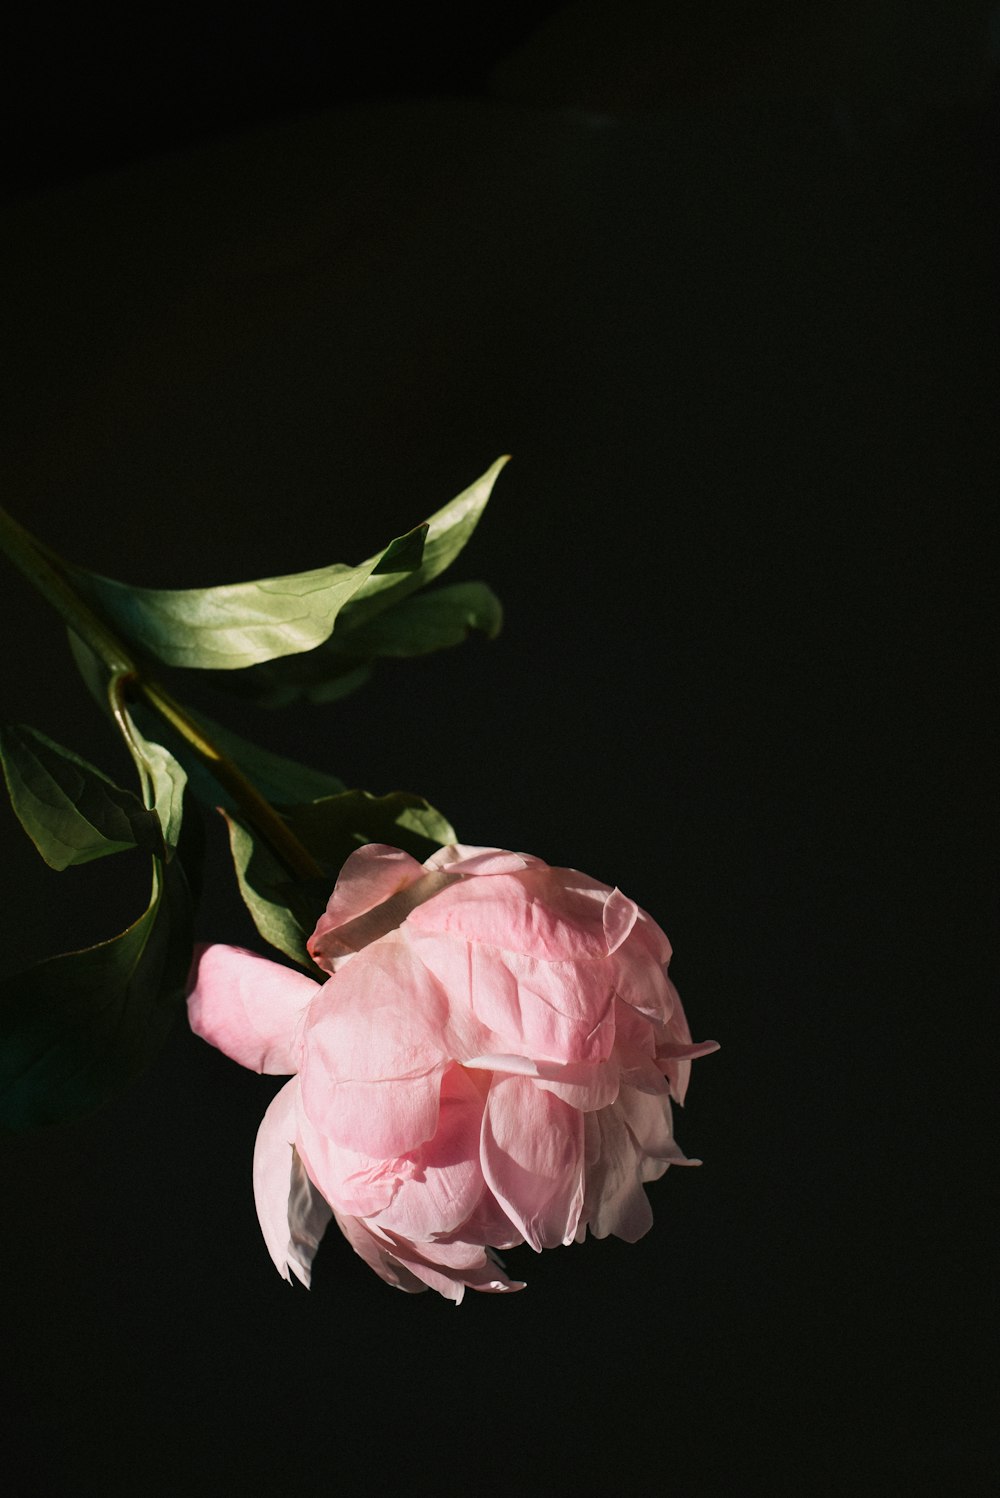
[
  {"x": 285, "y": 911},
  {"x": 238, "y": 624},
  {"x": 424, "y": 622},
  {"x": 71, "y": 811},
  {"x": 384, "y": 619},
  {"x": 77, "y": 1029}
]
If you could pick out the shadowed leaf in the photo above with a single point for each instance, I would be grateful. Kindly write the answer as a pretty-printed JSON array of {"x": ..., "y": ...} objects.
[
  {"x": 75, "y": 1030},
  {"x": 72, "y": 812}
]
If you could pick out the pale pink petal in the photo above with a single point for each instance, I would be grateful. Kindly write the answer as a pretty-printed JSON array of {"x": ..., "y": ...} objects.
[
  {"x": 552, "y": 1011},
  {"x": 272, "y": 1174},
  {"x": 249, "y": 1007},
  {"x": 373, "y": 1057},
  {"x": 641, "y": 982},
  {"x": 377, "y": 1253},
  {"x": 465, "y": 859},
  {"x": 620, "y": 915},
  {"x": 445, "y": 1181},
  {"x": 532, "y": 1155},
  {"x": 652, "y": 938},
  {"x": 650, "y": 1123},
  {"x": 583, "y": 1085},
  {"x": 553, "y": 914},
  {"x": 488, "y": 1224},
  {"x": 674, "y": 1049},
  {"x": 372, "y": 876},
  {"x": 452, "y": 1268},
  {"x": 614, "y": 1201},
  {"x": 355, "y": 1184}
]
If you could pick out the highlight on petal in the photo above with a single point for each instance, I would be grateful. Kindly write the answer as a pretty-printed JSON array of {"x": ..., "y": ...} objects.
[
  {"x": 532, "y": 1157},
  {"x": 249, "y": 1007},
  {"x": 585, "y": 1087},
  {"x": 620, "y": 915},
  {"x": 468, "y": 860}
]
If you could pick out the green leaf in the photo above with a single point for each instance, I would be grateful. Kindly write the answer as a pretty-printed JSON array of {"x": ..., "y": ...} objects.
[
  {"x": 285, "y": 911},
  {"x": 384, "y": 619},
  {"x": 77, "y": 1029},
  {"x": 448, "y": 531},
  {"x": 238, "y": 624},
  {"x": 166, "y": 782},
  {"x": 267, "y": 893},
  {"x": 71, "y": 811},
  {"x": 424, "y": 622},
  {"x": 333, "y": 827}
]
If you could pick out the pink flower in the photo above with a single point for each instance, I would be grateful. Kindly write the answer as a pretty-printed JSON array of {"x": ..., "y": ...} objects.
[{"x": 490, "y": 1062}]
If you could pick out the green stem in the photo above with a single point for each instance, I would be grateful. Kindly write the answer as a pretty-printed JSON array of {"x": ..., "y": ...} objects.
[{"x": 40, "y": 566}]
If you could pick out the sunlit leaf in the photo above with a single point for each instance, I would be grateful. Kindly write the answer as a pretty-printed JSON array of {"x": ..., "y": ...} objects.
[
  {"x": 167, "y": 779},
  {"x": 238, "y": 624},
  {"x": 71, "y": 811},
  {"x": 386, "y": 617},
  {"x": 77, "y": 1029}
]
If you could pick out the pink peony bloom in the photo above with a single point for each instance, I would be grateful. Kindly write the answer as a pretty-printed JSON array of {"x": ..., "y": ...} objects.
[{"x": 490, "y": 1062}]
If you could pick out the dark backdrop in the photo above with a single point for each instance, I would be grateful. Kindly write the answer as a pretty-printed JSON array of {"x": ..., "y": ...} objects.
[{"x": 717, "y": 277}]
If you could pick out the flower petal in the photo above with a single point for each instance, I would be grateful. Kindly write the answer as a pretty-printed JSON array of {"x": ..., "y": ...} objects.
[
  {"x": 584, "y": 1086},
  {"x": 650, "y": 1123},
  {"x": 614, "y": 1201},
  {"x": 674, "y": 1049},
  {"x": 272, "y": 1175},
  {"x": 620, "y": 915},
  {"x": 249, "y": 1007},
  {"x": 452, "y": 1268},
  {"x": 373, "y": 875},
  {"x": 446, "y": 1179},
  {"x": 532, "y": 1155},
  {"x": 373, "y": 1053},
  {"x": 518, "y": 1005},
  {"x": 554, "y": 914}
]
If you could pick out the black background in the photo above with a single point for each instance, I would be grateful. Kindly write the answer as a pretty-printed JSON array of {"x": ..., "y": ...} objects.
[{"x": 718, "y": 278}]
